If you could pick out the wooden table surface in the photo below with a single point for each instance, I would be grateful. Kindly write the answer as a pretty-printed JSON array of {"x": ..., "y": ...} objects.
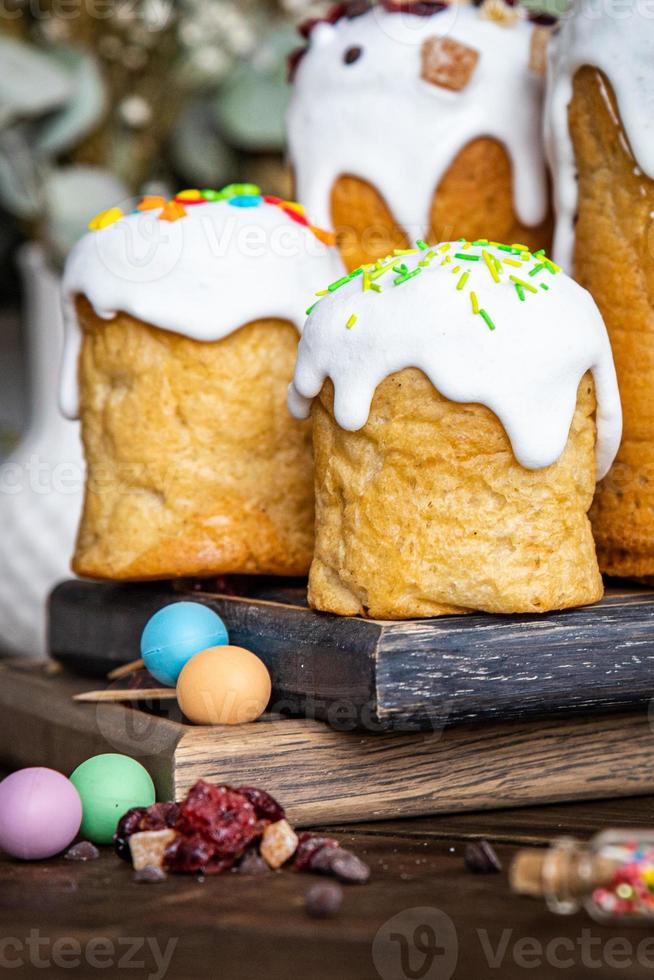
[{"x": 92, "y": 919}]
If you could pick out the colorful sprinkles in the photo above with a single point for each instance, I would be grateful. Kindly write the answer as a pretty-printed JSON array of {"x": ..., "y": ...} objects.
[
  {"x": 237, "y": 195},
  {"x": 483, "y": 253}
]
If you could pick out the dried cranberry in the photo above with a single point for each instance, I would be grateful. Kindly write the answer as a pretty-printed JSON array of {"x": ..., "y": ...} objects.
[
  {"x": 351, "y": 10},
  {"x": 265, "y": 806},
  {"x": 155, "y": 817},
  {"x": 224, "y": 818},
  {"x": 188, "y": 853},
  {"x": 422, "y": 8},
  {"x": 310, "y": 844}
]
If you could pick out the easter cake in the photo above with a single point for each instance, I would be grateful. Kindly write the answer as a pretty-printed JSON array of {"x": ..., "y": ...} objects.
[
  {"x": 421, "y": 120},
  {"x": 599, "y": 112},
  {"x": 182, "y": 321},
  {"x": 464, "y": 401}
]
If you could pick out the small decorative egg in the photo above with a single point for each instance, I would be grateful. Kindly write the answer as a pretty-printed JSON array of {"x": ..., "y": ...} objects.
[
  {"x": 40, "y": 813},
  {"x": 109, "y": 785},
  {"x": 175, "y": 633},
  {"x": 223, "y": 685}
]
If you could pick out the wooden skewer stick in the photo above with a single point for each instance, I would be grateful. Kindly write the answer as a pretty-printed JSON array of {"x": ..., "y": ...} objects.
[
  {"x": 125, "y": 669},
  {"x": 145, "y": 694}
]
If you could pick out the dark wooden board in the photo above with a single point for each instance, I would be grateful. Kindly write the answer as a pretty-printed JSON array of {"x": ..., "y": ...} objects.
[
  {"x": 239, "y": 928},
  {"x": 327, "y": 776},
  {"x": 390, "y": 675}
]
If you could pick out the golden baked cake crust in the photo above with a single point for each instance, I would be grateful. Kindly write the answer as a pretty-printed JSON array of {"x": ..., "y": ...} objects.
[
  {"x": 455, "y": 524},
  {"x": 613, "y": 260},
  {"x": 194, "y": 465},
  {"x": 474, "y": 200}
]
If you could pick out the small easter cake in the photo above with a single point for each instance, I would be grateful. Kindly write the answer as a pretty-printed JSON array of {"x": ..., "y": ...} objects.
[
  {"x": 182, "y": 322},
  {"x": 464, "y": 402},
  {"x": 600, "y": 129},
  {"x": 423, "y": 120}
]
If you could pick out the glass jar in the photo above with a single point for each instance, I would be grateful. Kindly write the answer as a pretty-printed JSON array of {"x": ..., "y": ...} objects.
[{"x": 611, "y": 877}]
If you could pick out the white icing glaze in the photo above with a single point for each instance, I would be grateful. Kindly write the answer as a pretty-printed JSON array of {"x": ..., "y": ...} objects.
[
  {"x": 617, "y": 38},
  {"x": 204, "y": 276},
  {"x": 379, "y": 120},
  {"x": 527, "y": 370}
]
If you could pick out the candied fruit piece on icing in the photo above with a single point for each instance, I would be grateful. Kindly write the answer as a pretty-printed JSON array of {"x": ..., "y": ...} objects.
[
  {"x": 172, "y": 211},
  {"x": 448, "y": 63},
  {"x": 150, "y": 202}
]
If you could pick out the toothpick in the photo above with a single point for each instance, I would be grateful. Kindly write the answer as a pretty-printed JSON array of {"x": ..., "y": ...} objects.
[
  {"x": 125, "y": 669},
  {"x": 145, "y": 694}
]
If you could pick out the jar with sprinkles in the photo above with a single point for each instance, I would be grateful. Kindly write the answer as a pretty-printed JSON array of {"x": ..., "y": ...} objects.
[{"x": 611, "y": 877}]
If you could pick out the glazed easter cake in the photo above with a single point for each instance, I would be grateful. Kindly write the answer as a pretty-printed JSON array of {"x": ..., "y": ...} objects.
[
  {"x": 421, "y": 120},
  {"x": 600, "y": 119},
  {"x": 182, "y": 321},
  {"x": 464, "y": 402}
]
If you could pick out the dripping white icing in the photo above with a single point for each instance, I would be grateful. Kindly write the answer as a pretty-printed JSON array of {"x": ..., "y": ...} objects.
[
  {"x": 204, "y": 276},
  {"x": 378, "y": 120},
  {"x": 527, "y": 370},
  {"x": 618, "y": 39}
]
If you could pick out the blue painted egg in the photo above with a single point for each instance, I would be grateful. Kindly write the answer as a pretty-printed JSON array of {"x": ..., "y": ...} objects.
[{"x": 175, "y": 634}]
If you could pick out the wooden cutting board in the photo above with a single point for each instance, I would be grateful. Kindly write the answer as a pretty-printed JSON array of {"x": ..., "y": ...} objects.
[
  {"x": 327, "y": 776},
  {"x": 381, "y": 676}
]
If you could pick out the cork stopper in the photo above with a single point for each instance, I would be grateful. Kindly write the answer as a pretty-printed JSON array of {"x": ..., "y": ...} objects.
[
  {"x": 526, "y": 873},
  {"x": 562, "y": 870}
]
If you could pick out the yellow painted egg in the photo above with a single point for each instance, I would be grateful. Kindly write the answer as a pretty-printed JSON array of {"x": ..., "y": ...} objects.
[{"x": 223, "y": 685}]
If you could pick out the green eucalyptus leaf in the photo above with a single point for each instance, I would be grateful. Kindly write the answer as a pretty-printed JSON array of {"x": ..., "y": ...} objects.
[
  {"x": 198, "y": 151},
  {"x": 73, "y": 195},
  {"x": 31, "y": 82},
  {"x": 251, "y": 104},
  {"x": 84, "y": 109}
]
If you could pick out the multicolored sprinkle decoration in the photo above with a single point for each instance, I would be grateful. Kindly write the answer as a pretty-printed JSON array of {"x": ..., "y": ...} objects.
[
  {"x": 631, "y": 892},
  {"x": 517, "y": 265},
  {"x": 237, "y": 195}
]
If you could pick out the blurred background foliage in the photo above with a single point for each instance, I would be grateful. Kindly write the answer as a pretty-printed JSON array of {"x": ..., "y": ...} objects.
[{"x": 104, "y": 99}]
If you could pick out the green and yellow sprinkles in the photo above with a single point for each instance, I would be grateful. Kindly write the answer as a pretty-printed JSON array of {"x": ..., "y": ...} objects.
[{"x": 517, "y": 267}]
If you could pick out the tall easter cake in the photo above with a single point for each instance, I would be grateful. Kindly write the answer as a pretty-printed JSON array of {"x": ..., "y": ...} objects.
[
  {"x": 182, "y": 324},
  {"x": 421, "y": 120},
  {"x": 464, "y": 400},
  {"x": 600, "y": 129}
]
